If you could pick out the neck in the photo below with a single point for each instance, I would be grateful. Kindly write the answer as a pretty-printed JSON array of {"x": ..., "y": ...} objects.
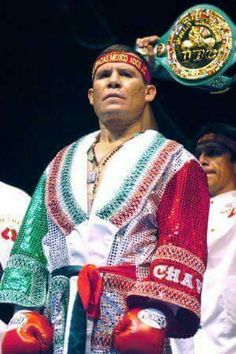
[
  {"x": 212, "y": 195},
  {"x": 229, "y": 188},
  {"x": 149, "y": 120},
  {"x": 118, "y": 134}
]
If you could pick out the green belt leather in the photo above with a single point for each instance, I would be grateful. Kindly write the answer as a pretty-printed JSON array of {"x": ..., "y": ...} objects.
[{"x": 198, "y": 50}]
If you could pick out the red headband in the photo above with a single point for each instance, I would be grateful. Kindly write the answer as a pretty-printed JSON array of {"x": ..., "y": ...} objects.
[
  {"x": 219, "y": 138},
  {"x": 123, "y": 57}
]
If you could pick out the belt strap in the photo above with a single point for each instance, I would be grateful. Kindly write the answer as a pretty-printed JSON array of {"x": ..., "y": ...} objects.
[{"x": 90, "y": 285}]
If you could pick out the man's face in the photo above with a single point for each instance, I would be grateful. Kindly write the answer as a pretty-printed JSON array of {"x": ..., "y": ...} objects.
[
  {"x": 119, "y": 94},
  {"x": 216, "y": 162}
]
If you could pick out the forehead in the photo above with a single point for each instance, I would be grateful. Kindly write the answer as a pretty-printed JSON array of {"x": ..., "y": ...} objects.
[
  {"x": 219, "y": 138},
  {"x": 211, "y": 141},
  {"x": 206, "y": 138},
  {"x": 211, "y": 149},
  {"x": 118, "y": 66},
  {"x": 120, "y": 57}
]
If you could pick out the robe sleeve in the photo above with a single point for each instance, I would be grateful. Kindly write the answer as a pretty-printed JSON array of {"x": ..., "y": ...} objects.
[
  {"x": 178, "y": 265},
  {"x": 25, "y": 278}
]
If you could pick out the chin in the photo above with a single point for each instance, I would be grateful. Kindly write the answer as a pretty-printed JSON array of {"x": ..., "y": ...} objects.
[
  {"x": 212, "y": 190},
  {"x": 114, "y": 118}
]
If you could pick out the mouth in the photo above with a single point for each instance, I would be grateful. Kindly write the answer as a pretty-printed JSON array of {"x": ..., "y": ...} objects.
[
  {"x": 209, "y": 172},
  {"x": 113, "y": 95}
]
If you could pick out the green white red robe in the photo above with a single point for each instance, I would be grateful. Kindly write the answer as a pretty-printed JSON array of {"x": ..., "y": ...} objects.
[{"x": 149, "y": 215}]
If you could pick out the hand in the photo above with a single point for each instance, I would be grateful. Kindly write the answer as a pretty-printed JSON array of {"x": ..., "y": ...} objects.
[
  {"x": 28, "y": 333},
  {"x": 141, "y": 331},
  {"x": 145, "y": 46}
]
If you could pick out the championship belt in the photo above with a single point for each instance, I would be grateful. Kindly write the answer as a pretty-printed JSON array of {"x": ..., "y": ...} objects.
[{"x": 198, "y": 50}]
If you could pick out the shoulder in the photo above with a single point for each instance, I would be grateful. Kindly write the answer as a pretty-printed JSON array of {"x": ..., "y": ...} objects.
[
  {"x": 178, "y": 153},
  {"x": 85, "y": 140},
  {"x": 80, "y": 145},
  {"x": 179, "y": 163}
]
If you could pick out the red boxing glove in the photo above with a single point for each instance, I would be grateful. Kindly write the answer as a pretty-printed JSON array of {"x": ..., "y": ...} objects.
[
  {"x": 141, "y": 331},
  {"x": 28, "y": 333}
]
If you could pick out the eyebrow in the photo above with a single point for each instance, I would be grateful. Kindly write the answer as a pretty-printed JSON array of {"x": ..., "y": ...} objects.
[
  {"x": 212, "y": 144},
  {"x": 121, "y": 67}
]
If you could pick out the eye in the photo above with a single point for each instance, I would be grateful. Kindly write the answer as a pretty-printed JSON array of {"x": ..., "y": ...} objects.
[
  {"x": 214, "y": 152},
  {"x": 126, "y": 73},
  {"x": 211, "y": 151},
  {"x": 103, "y": 74}
]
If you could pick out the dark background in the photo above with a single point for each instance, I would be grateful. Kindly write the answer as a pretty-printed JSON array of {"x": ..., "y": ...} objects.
[{"x": 47, "y": 49}]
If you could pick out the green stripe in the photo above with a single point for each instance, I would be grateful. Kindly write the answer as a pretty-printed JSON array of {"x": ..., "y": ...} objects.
[
  {"x": 72, "y": 207},
  {"x": 34, "y": 226},
  {"x": 68, "y": 271},
  {"x": 77, "y": 337},
  {"x": 130, "y": 181},
  {"x": 25, "y": 277}
]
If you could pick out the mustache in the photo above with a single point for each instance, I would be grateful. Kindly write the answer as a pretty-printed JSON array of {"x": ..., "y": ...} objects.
[{"x": 114, "y": 94}]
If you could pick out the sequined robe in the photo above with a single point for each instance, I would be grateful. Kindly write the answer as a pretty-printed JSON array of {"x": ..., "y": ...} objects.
[{"x": 150, "y": 211}]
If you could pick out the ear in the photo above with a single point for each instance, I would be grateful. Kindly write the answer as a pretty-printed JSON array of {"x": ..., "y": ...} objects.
[
  {"x": 151, "y": 92},
  {"x": 234, "y": 172},
  {"x": 90, "y": 96},
  {"x": 234, "y": 167}
]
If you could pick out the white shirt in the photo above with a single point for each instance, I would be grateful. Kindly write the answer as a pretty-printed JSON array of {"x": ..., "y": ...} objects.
[
  {"x": 218, "y": 311},
  {"x": 13, "y": 205}
]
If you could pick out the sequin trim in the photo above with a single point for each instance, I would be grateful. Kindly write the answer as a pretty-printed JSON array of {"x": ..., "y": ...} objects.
[
  {"x": 66, "y": 212},
  {"x": 62, "y": 206},
  {"x": 180, "y": 255},
  {"x": 165, "y": 293},
  {"x": 118, "y": 283},
  {"x": 34, "y": 227},
  {"x": 72, "y": 207},
  {"x": 113, "y": 306},
  {"x": 53, "y": 202},
  {"x": 129, "y": 208},
  {"x": 24, "y": 282},
  {"x": 56, "y": 309},
  {"x": 145, "y": 185}
]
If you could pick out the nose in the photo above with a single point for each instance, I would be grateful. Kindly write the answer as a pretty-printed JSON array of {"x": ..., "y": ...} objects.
[{"x": 114, "y": 80}]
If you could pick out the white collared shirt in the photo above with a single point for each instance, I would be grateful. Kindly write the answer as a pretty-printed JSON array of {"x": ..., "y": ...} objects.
[{"x": 218, "y": 311}]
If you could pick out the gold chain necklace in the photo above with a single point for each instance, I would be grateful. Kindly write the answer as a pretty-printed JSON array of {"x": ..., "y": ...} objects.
[{"x": 94, "y": 176}]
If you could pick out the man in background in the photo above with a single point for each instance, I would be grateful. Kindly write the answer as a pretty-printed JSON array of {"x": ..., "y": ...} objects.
[{"x": 216, "y": 152}]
